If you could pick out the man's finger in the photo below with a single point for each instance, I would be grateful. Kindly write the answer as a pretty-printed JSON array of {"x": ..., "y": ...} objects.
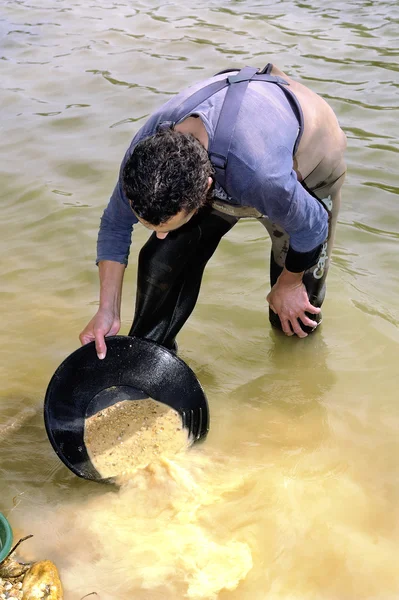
[
  {"x": 297, "y": 328},
  {"x": 101, "y": 347},
  {"x": 306, "y": 321},
  {"x": 312, "y": 309},
  {"x": 285, "y": 325}
]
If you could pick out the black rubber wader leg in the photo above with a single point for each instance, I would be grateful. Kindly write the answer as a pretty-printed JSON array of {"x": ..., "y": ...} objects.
[
  {"x": 315, "y": 277},
  {"x": 170, "y": 273}
]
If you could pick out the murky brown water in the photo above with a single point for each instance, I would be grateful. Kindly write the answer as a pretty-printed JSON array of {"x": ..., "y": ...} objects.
[{"x": 294, "y": 495}]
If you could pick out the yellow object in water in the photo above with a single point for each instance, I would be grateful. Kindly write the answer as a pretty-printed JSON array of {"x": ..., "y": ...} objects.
[{"x": 42, "y": 581}]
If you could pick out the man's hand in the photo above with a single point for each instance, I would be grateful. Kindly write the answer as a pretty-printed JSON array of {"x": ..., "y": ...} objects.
[
  {"x": 103, "y": 323},
  {"x": 107, "y": 319},
  {"x": 289, "y": 300}
]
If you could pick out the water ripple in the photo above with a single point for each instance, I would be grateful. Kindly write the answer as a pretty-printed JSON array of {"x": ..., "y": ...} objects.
[{"x": 297, "y": 423}]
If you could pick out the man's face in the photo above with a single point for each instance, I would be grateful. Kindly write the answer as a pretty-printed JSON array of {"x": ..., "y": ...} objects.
[{"x": 162, "y": 230}]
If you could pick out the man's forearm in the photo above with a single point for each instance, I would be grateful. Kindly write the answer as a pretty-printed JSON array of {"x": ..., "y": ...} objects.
[
  {"x": 298, "y": 262},
  {"x": 111, "y": 280},
  {"x": 289, "y": 278}
]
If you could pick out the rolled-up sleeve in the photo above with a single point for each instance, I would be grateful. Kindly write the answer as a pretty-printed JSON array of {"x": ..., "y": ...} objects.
[
  {"x": 115, "y": 234},
  {"x": 277, "y": 193}
]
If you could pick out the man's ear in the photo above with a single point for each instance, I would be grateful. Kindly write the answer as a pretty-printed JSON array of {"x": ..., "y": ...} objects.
[{"x": 210, "y": 181}]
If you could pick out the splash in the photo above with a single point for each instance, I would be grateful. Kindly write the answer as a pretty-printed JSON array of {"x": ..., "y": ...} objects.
[{"x": 152, "y": 535}]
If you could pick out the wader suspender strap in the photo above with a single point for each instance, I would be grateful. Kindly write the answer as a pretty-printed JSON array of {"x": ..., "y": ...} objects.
[
  {"x": 219, "y": 149},
  {"x": 237, "y": 85}
]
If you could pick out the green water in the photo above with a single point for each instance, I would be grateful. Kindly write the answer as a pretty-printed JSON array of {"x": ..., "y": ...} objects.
[{"x": 294, "y": 495}]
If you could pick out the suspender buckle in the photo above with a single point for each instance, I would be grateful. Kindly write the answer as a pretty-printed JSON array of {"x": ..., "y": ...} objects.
[
  {"x": 239, "y": 77},
  {"x": 218, "y": 161},
  {"x": 166, "y": 125}
]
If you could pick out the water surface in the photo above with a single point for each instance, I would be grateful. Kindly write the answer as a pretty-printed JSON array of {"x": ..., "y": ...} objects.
[{"x": 294, "y": 495}]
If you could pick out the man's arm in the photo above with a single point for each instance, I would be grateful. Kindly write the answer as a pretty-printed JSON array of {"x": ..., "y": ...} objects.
[
  {"x": 276, "y": 192},
  {"x": 288, "y": 297},
  {"x": 115, "y": 234},
  {"x": 113, "y": 247},
  {"x": 107, "y": 319}
]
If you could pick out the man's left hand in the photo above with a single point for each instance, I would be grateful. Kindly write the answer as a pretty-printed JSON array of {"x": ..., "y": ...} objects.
[{"x": 289, "y": 300}]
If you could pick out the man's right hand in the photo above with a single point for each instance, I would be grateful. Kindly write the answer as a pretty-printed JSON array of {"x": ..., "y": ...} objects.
[
  {"x": 104, "y": 322},
  {"x": 107, "y": 320}
]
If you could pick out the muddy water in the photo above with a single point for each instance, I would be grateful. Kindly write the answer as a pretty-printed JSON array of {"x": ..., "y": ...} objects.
[{"x": 294, "y": 495}]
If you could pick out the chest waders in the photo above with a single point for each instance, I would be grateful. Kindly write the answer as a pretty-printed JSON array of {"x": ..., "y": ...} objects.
[{"x": 170, "y": 270}]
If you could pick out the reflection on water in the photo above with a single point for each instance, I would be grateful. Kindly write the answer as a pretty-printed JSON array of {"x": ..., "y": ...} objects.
[{"x": 294, "y": 494}]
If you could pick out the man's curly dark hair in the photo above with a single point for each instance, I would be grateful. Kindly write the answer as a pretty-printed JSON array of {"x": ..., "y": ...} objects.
[{"x": 167, "y": 172}]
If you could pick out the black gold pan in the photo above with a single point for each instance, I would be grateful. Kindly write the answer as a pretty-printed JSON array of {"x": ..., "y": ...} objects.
[{"x": 133, "y": 369}]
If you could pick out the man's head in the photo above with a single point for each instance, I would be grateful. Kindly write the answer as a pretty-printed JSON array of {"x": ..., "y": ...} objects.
[{"x": 167, "y": 179}]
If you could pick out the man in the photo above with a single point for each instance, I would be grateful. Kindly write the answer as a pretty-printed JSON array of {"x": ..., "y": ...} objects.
[{"x": 241, "y": 144}]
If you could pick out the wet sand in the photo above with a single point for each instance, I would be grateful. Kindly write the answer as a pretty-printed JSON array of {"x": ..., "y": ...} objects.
[{"x": 132, "y": 434}]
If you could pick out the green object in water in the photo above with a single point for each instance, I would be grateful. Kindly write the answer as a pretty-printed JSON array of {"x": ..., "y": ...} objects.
[{"x": 5, "y": 537}]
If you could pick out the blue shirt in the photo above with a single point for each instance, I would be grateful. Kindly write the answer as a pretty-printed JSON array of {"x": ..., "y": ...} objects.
[{"x": 259, "y": 172}]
